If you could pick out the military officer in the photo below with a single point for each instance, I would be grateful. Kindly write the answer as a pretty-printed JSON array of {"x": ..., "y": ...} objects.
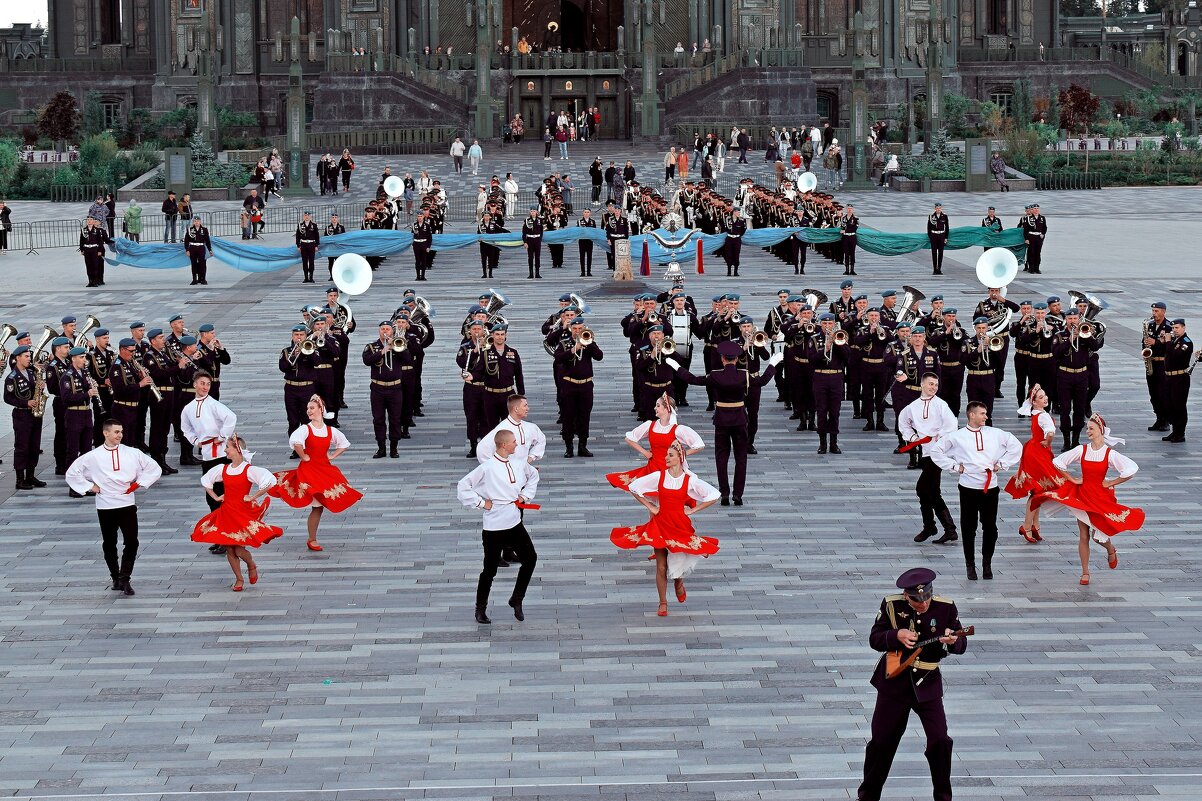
[
  {"x": 532, "y": 241},
  {"x": 308, "y": 239},
  {"x": 333, "y": 228},
  {"x": 127, "y": 381},
  {"x": 916, "y": 615},
  {"x": 575, "y": 360},
  {"x": 1157, "y": 332},
  {"x": 99, "y": 366},
  {"x": 78, "y": 394},
  {"x": 586, "y": 245},
  {"x": 415, "y": 348},
  {"x": 423, "y": 233},
  {"x": 213, "y": 356},
  {"x": 616, "y": 227},
  {"x": 58, "y": 365},
  {"x": 844, "y": 305},
  {"x": 732, "y": 250},
  {"x": 991, "y": 222},
  {"x": 979, "y": 366},
  {"x": 750, "y": 356},
  {"x": 772, "y": 327},
  {"x": 19, "y": 393},
  {"x": 197, "y": 244},
  {"x": 92, "y": 240},
  {"x": 490, "y": 254},
  {"x": 502, "y": 376},
  {"x": 828, "y": 360},
  {"x": 873, "y": 340},
  {"x": 798, "y": 329},
  {"x": 850, "y": 224},
  {"x": 1035, "y": 229},
  {"x": 950, "y": 341},
  {"x": 300, "y": 382},
  {"x": 937, "y": 234},
  {"x": 163, "y": 369},
  {"x": 655, "y": 376},
  {"x": 1071, "y": 353},
  {"x": 1178, "y": 364},
  {"x": 387, "y": 390},
  {"x": 913, "y": 360}
]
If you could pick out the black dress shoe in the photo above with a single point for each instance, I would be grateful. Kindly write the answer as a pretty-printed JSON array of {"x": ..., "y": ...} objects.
[
  {"x": 517, "y": 609},
  {"x": 751, "y": 449},
  {"x": 738, "y": 501},
  {"x": 471, "y": 453},
  {"x": 972, "y": 572},
  {"x": 33, "y": 480},
  {"x": 1174, "y": 438},
  {"x": 379, "y": 454},
  {"x": 869, "y": 426},
  {"x": 948, "y": 536},
  {"x": 569, "y": 453},
  {"x": 835, "y": 448},
  {"x": 481, "y": 616},
  {"x": 584, "y": 452},
  {"x": 393, "y": 453},
  {"x": 725, "y": 500},
  {"x": 923, "y": 536},
  {"x": 416, "y": 412},
  {"x": 294, "y": 455},
  {"x": 217, "y": 549},
  {"x": 74, "y": 494},
  {"x": 987, "y": 572},
  {"x": 118, "y": 585},
  {"x": 127, "y": 588},
  {"x": 168, "y": 470}
]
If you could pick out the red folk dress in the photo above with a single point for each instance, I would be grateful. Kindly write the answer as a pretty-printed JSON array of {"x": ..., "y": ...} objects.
[
  {"x": 236, "y": 522},
  {"x": 1036, "y": 473},
  {"x": 1093, "y": 504},
  {"x": 671, "y": 528},
  {"x": 659, "y": 443},
  {"x": 316, "y": 482}
]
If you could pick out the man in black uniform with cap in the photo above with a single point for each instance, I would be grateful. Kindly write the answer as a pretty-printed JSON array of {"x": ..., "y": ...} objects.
[
  {"x": 1178, "y": 361},
  {"x": 733, "y": 248},
  {"x": 197, "y": 244},
  {"x": 387, "y": 389},
  {"x": 586, "y": 245},
  {"x": 27, "y": 429},
  {"x": 575, "y": 362},
  {"x": 334, "y": 229},
  {"x": 532, "y": 241},
  {"x": 92, "y": 240},
  {"x": 730, "y": 417},
  {"x": 1034, "y": 227},
  {"x": 915, "y": 615},
  {"x": 937, "y": 232},
  {"x": 307, "y": 240}
]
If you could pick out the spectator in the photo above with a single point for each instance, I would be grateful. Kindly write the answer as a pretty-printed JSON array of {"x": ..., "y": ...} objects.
[
  {"x": 611, "y": 172},
  {"x": 517, "y": 127},
  {"x": 696, "y": 150},
  {"x": 744, "y": 142},
  {"x": 561, "y": 136},
  {"x": 807, "y": 150},
  {"x": 254, "y": 207},
  {"x": 244, "y": 222},
  {"x": 547, "y": 140},
  {"x": 110, "y": 203},
  {"x": 628, "y": 172},
  {"x": 832, "y": 161},
  {"x": 720, "y": 153},
  {"x": 457, "y": 151},
  {"x": 276, "y": 165},
  {"x": 99, "y": 210},
  {"x": 474, "y": 154},
  {"x": 997, "y": 166},
  {"x": 670, "y": 161},
  {"x": 828, "y": 135},
  {"x": 133, "y": 222},
  {"x": 682, "y": 164},
  {"x": 170, "y": 216},
  {"x": 770, "y": 151},
  {"x": 565, "y": 191},
  {"x": 269, "y": 183},
  {"x": 596, "y": 176},
  {"x": 185, "y": 208},
  {"x": 891, "y": 168},
  {"x": 6, "y": 225}
]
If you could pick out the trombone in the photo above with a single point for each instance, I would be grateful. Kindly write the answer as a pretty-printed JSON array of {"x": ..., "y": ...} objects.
[
  {"x": 1085, "y": 330},
  {"x": 839, "y": 337},
  {"x": 759, "y": 339},
  {"x": 399, "y": 344},
  {"x": 586, "y": 338},
  {"x": 667, "y": 347},
  {"x": 996, "y": 343}
]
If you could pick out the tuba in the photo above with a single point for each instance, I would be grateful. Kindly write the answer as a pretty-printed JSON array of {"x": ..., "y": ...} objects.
[
  {"x": 496, "y": 302},
  {"x": 814, "y": 298},
  {"x": 911, "y": 296},
  {"x": 352, "y": 276},
  {"x": 422, "y": 309},
  {"x": 40, "y": 353},
  {"x": 1095, "y": 304},
  {"x": 7, "y": 332},
  {"x": 579, "y": 303},
  {"x": 90, "y": 324},
  {"x": 996, "y": 268}
]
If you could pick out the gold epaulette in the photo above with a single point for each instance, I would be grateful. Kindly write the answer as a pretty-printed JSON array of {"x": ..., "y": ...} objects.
[{"x": 941, "y": 599}]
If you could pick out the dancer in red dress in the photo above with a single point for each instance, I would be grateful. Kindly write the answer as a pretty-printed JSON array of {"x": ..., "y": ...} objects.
[
  {"x": 1091, "y": 497},
  {"x": 1036, "y": 473},
  {"x": 677, "y": 546},
  {"x": 238, "y": 521},
  {"x": 316, "y": 482},
  {"x": 659, "y": 433}
]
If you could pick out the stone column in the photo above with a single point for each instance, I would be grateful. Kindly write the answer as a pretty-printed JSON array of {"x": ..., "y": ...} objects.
[
  {"x": 295, "y": 156},
  {"x": 206, "y": 106},
  {"x": 484, "y": 11},
  {"x": 858, "y": 169},
  {"x": 934, "y": 120},
  {"x": 650, "y": 98}
]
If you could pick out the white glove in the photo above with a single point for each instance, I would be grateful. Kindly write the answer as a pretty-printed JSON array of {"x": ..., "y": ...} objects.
[
  {"x": 776, "y": 359},
  {"x": 780, "y": 336},
  {"x": 675, "y": 365}
]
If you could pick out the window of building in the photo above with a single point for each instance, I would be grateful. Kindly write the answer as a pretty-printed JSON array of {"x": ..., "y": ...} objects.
[
  {"x": 828, "y": 107},
  {"x": 112, "y": 113},
  {"x": 1004, "y": 98}
]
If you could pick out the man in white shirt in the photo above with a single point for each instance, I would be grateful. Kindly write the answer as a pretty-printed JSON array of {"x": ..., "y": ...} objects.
[
  {"x": 112, "y": 472},
  {"x": 496, "y": 487},
  {"x": 530, "y": 446},
  {"x": 510, "y": 188},
  {"x": 978, "y": 453},
  {"x": 207, "y": 423},
  {"x": 927, "y": 420}
]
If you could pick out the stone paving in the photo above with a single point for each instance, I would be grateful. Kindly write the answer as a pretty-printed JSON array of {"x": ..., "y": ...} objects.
[{"x": 357, "y": 673}]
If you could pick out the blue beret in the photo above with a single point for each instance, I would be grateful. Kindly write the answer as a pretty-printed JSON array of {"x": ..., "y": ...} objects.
[
  {"x": 889, "y": 293},
  {"x": 59, "y": 341},
  {"x": 1072, "y": 312},
  {"x": 295, "y": 328},
  {"x": 1041, "y": 305},
  {"x": 729, "y": 350},
  {"x": 197, "y": 217},
  {"x": 826, "y": 317},
  {"x": 475, "y": 309},
  {"x": 578, "y": 320},
  {"x": 67, "y": 319},
  {"x": 899, "y": 326},
  {"x": 21, "y": 349},
  {"x": 175, "y": 317},
  {"x": 718, "y": 298},
  {"x": 653, "y": 328},
  {"x": 409, "y": 292},
  {"x": 158, "y": 332},
  {"x": 783, "y": 292},
  {"x": 1179, "y": 321},
  {"x": 331, "y": 288},
  {"x": 100, "y": 332},
  {"x": 794, "y": 299},
  {"x": 565, "y": 298},
  {"x": 861, "y": 297},
  {"x": 1160, "y": 304},
  {"x": 805, "y": 307},
  {"x": 77, "y": 352},
  {"x": 732, "y": 296},
  {"x": 939, "y": 205},
  {"x": 23, "y": 335},
  {"x": 918, "y": 329},
  {"x": 136, "y": 324},
  {"x": 1053, "y": 299},
  {"x": 400, "y": 316},
  {"x": 980, "y": 321},
  {"x": 128, "y": 342},
  {"x": 936, "y": 297},
  {"x": 383, "y": 323},
  {"x": 475, "y": 324},
  {"x": 846, "y": 284},
  {"x": 746, "y": 321},
  {"x": 482, "y": 294},
  {"x": 206, "y": 328},
  {"x": 949, "y": 311},
  {"x": 499, "y": 327},
  {"x": 1026, "y": 303},
  {"x": 569, "y": 308},
  {"x": 187, "y": 340}
]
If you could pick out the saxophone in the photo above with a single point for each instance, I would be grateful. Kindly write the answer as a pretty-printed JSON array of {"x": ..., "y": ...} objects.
[
  {"x": 1146, "y": 353},
  {"x": 40, "y": 395}
]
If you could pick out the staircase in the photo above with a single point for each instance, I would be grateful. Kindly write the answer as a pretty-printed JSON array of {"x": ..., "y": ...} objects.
[
  {"x": 383, "y": 100},
  {"x": 746, "y": 94}
]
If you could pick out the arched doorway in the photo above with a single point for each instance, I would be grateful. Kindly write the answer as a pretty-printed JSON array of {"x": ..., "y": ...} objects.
[
  {"x": 1182, "y": 58},
  {"x": 573, "y": 27}
]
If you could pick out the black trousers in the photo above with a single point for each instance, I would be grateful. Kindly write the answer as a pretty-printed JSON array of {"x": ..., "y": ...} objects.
[
  {"x": 1043, "y": 372},
  {"x": 219, "y": 487},
  {"x": 727, "y": 438},
  {"x": 496, "y": 407},
  {"x": 125, "y": 521},
  {"x": 648, "y": 396},
  {"x": 586, "y": 258},
  {"x": 199, "y": 265},
  {"x": 889, "y": 720},
  {"x": 145, "y": 399},
  {"x": 849, "y": 250},
  {"x": 977, "y": 506},
  {"x": 801, "y": 388},
  {"x": 515, "y": 539},
  {"x": 596, "y": 193},
  {"x": 473, "y": 412},
  {"x": 160, "y": 422},
  {"x": 1071, "y": 392},
  {"x": 386, "y": 409},
  {"x": 1155, "y": 381},
  {"x": 874, "y": 385},
  {"x": 576, "y": 409},
  {"x": 828, "y": 400},
  {"x": 1176, "y": 397},
  {"x": 951, "y": 387},
  {"x": 27, "y": 439},
  {"x": 295, "y": 401},
  {"x": 346, "y": 179},
  {"x": 981, "y": 388},
  {"x": 79, "y": 434},
  {"x": 1034, "y": 253},
  {"x": 308, "y": 255},
  {"x": 752, "y": 405},
  {"x": 937, "y": 246},
  {"x": 680, "y": 388},
  {"x": 556, "y": 256},
  {"x": 93, "y": 262},
  {"x": 930, "y": 496},
  {"x": 410, "y": 396},
  {"x": 999, "y": 365},
  {"x": 1022, "y": 377},
  {"x": 534, "y": 258}
]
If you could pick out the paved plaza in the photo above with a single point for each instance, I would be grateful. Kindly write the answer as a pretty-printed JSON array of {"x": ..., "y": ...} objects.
[{"x": 357, "y": 673}]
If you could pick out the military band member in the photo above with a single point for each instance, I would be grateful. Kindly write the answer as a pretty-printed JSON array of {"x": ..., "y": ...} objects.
[
  {"x": 1055, "y": 312},
  {"x": 92, "y": 240},
  {"x": 416, "y": 338},
  {"x": 1035, "y": 339},
  {"x": 472, "y": 358},
  {"x": 889, "y": 309},
  {"x": 772, "y": 327},
  {"x": 938, "y": 228},
  {"x": 490, "y": 254},
  {"x": 798, "y": 329},
  {"x": 994, "y": 308},
  {"x": 654, "y": 374},
  {"x": 54, "y": 369},
  {"x": 338, "y": 327},
  {"x": 137, "y": 436},
  {"x": 387, "y": 389},
  {"x": 730, "y": 416},
  {"x": 324, "y": 359},
  {"x": 1022, "y": 356},
  {"x": 733, "y": 248},
  {"x": 1099, "y": 340},
  {"x": 333, "y": 228},
  {"x": 872, "y": 339},
  {"x": 913, "y": 360},
  {"x": 904, "y": 620},
  {"x": 197, "y": 244},
  {"x": 682, "y": 320},
  {"x": 308, "y": 239},
  {"x": 20, "y": 393},
  {"x": 423, "y": 233},
  {"x": 557, "y": 330},
  {"x": 128, "y": 382},
  {"x": 163, "y": 367},
  {"x": 991, "y": 222},
  {"x": 923, "y": 422},
  {"x": 212, "y": 357},
  {"x": 532, "y": 241},
  {"x": 1178, "y": 364},
  {"x": 951, "y": 342},
  {"x": 576, "y": 398},
  {"x": 99, "y": 366},
  {"x": 586, "y": 245},
  {"x": 934, "y": 318},
  {"x": 1156, "y": 334},
  {"x": 300, "y": 382},
  {"x": 502, "y": 376},
  {"x": 750, "y": 356},
  {"x": 850, "y": 224},
  {"x": 979, "y": 361},
  {"x": 1035, "y": 229},
  {"x": 1071, "y": 352},
  {"x": 828, "y": 361},
  {"x": 78, "y": 393},
  {"x": 616, "y": 227}
]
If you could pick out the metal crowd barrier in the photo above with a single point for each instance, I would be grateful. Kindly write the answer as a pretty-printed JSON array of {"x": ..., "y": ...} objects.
[{"x": 1068, "y": 180}]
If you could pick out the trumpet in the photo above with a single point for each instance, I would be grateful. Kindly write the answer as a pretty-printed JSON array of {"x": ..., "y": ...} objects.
[
  {"x": 308, "y": 347},
  {"x": 399, "y": 344},
  {"x": 667, "y": 347},
  {"x": 1085, "y": 330},
  {"x": 586, "y": 338},
  {"x": 957, "y": 333},
  {"x": 808, "y": 328},
  {"x": 652, "y": 318},
  {"x": 759, "y": 339},
  {"x": 996, "y": 343},
  {"x": 881, "y": 333},
  {"x": 840, "y": 337}
]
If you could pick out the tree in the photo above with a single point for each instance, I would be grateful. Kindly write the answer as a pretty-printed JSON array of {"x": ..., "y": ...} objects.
[
  {"x": 1022, "y": 109},
  {"x": 1080, "y": 8},
  {"x": 1152, "y": 57},
  {"x": 93, "y": 115},
  {"x": 1052, "y": 118},
  {"x": 10, "y": 158},
  {"x": 59, "y": 119},
  {"x": 1077, "y": 108},
  {"x": 955, "y": 113}
]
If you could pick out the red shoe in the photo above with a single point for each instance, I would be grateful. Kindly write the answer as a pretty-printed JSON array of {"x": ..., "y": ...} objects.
[
  {"x": 680, "y": 591},
  {"x": 313, "y": 546},
  {"x": 1113, "y": 561},
  {"x": 1084, "y": 579},
  {"x": 253, "y": 570},
  {"x": 237, "y": 586},
  {"x": 1029, "y": 537},
  {"x": 663, "y": 611},
  {"x": 1035, "y": 533}
]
